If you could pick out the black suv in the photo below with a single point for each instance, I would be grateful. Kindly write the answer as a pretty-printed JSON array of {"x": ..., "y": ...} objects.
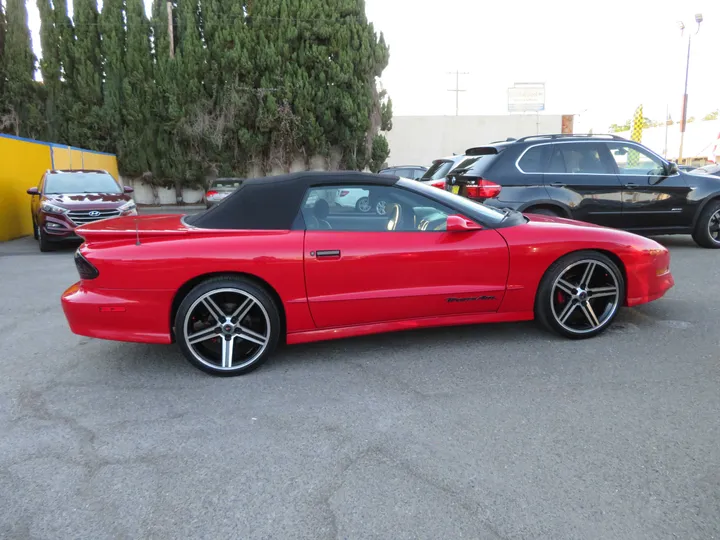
[{"x": 602, "y": 179}]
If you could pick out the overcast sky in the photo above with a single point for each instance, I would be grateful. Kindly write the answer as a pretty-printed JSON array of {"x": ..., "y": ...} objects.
[{"x": 598, "y": 59}]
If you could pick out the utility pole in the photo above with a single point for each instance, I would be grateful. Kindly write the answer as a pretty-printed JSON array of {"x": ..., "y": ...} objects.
[
  {"x": 457, "y": 89},
  {"x": 683, "y": 120},
  {"x": 170, "y": 29}
]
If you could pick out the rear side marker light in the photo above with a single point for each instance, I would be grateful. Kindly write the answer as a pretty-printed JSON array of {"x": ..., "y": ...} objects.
[
  {"x": 84, "y": 268},
  {"x": 112, "y": 309}
]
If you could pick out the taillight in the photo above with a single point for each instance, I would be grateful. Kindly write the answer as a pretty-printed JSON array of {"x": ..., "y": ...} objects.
[
  {"x": 439, "y": 184},
  {"x": 211, "y": 194},
  {"x": 84, "y": 268},
  {"x": 483, "y": 189},
  {"x": 343, "y": 193}
]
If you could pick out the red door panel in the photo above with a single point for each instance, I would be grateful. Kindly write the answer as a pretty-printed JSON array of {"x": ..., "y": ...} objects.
[{"x": 365, "y": 277}]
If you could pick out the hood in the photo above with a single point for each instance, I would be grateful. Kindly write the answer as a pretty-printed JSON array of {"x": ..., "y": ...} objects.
[
  {"x": 80, "y": 201},
  {"x": 569, "y": 230}
]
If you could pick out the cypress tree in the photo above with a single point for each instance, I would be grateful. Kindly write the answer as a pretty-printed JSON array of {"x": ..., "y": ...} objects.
[
  {"x": 165, "y": 165},
  {"x": 2, "y": 62},
  {"x": 112, "y": 28},
  {"x": 88, "y": 124},
  {"x": 139, "y": 134},
  {"x": 50, "y": 68},
  {"x": 21, "y": 109},
  {"x": 190, "y": 100}
]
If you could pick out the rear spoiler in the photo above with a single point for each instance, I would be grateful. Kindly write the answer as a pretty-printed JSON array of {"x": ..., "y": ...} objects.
[{"x": 482, "y": 151}]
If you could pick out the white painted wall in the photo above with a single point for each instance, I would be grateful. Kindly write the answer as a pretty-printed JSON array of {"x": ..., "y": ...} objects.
[{"x": 418, "y": 140}]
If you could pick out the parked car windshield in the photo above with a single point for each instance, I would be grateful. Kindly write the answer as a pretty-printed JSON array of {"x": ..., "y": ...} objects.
[
  {"x": 438, "y": 170},
  {"x": 62, "y": 183}
]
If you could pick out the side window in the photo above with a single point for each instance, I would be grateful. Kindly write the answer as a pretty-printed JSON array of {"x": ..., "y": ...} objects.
[
  {"x": 535, "y": 159},
  {"x": 417, "y": 174},
  {"x": 371, "y": 208},
  {"x": 579, "y": 158},
  {"x": 41, "y": 184},
  {"x": 633, "y": 160}
]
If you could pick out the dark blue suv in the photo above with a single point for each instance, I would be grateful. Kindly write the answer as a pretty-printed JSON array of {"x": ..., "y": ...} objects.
[{"x": 601, "y": 179}]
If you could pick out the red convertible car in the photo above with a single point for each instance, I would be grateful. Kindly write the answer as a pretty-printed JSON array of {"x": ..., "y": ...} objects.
[{"x": 280, "y": 260}]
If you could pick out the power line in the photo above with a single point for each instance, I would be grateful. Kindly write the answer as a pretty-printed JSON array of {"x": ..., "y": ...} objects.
[{"x": 457, "y": 89}]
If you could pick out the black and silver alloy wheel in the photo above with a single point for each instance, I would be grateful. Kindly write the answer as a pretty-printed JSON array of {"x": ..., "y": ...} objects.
[
  {"x": 227, "y": 327},
  {"x": 714, "y": 226},
  {"x": 707, "y": 229},
  {"x": 580, "y": 295}
]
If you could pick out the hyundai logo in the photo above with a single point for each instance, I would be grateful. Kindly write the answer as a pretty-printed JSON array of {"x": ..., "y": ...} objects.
[{"x": 94, "y": 213}]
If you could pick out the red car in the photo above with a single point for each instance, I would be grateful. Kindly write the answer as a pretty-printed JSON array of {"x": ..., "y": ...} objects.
[
  {"x": 65, "y": 199},
  {"x": 280, "y": 261}
]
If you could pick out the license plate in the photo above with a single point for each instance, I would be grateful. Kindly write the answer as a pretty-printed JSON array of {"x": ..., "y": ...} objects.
[{"x": 456, "y": 189}]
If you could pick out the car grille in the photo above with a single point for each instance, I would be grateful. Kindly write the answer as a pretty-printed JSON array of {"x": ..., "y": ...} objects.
[{"x": 81, "y": 217}]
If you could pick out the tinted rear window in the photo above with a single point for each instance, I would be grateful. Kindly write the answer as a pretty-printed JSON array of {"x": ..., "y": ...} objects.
[
  {"x": 481, "y": 165},
  {"x": 438, "y": 170},
  {"x": 227, "y": 183}
]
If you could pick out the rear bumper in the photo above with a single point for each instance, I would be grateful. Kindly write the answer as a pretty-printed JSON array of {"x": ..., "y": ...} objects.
[{"x": 119, "y": 315}]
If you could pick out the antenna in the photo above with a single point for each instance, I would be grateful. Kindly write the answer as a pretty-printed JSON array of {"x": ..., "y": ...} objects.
[{"x": 137, "y": 233}]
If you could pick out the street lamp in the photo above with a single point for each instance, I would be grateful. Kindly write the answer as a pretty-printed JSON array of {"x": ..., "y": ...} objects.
[{"x": 683, "y": 121}]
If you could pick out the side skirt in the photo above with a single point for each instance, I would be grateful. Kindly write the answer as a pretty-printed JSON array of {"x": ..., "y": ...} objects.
[{"x": 407, "y": 324}]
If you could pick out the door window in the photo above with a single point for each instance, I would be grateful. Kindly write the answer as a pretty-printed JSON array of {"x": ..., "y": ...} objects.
[
  {"x": 579, "y": 158},
  {"x": 372, "y": 209},
  {"x": 634, "y": 160}
]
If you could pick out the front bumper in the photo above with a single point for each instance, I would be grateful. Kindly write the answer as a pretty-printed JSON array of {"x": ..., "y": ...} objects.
[{"x": 119, "y": 315}]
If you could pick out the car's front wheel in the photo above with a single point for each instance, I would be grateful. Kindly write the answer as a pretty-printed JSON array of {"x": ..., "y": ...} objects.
[
  {"x": 227, "y": 326},
  {"x": 45, "y": 244},
  {"x": 580, "y": 295},
  {"x": 707, "y": 230}
]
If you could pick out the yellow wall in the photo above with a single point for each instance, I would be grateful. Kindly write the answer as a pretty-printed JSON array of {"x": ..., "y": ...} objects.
[
  {"x": 105, "y": 162},
  {"x": 22, "y": 164}
]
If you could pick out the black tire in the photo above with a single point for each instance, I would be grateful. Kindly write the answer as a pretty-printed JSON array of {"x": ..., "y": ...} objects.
[
  {"x": 546, "y": 294},
  {"x": 702, "y": 234},
  {"x": 544, "y": 212},
  {"x": 35, "y": 230},
  {"x": 45, "y": 244},
  {"x": 244, "y": 288}
]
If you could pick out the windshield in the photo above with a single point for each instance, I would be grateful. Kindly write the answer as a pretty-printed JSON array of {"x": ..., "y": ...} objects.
[
  {"x": 438, "y": 170},
  {"x": 63, "y": 183},
  {"x": 477, "y": 210}
]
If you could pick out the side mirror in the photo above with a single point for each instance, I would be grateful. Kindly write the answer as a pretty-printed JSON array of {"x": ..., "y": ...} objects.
[
  {"x": 33, "y": 191},
  {"x": 457, "y": 223},
  {"x": 128, "y": 189},
  {"x": 672, "y": 169}
]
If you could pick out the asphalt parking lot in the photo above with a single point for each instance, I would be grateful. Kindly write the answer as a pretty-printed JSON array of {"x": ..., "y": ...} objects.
[{"x": 489, "y": 432}]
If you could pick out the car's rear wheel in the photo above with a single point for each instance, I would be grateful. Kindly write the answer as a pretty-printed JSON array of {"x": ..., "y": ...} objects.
[
  {"x": 580, "y": 295},
  {"x": 227, "y": 326},
  {"x": 707, "y": 230},
  {"x": 363, "y": 205}
]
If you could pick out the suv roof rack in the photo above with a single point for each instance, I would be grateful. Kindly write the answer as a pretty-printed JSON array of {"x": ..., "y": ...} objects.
[{"x": 570, "y": 136}]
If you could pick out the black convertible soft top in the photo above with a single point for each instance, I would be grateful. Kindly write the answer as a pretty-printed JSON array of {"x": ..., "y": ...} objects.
[{"x": 273, "y": 202}]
